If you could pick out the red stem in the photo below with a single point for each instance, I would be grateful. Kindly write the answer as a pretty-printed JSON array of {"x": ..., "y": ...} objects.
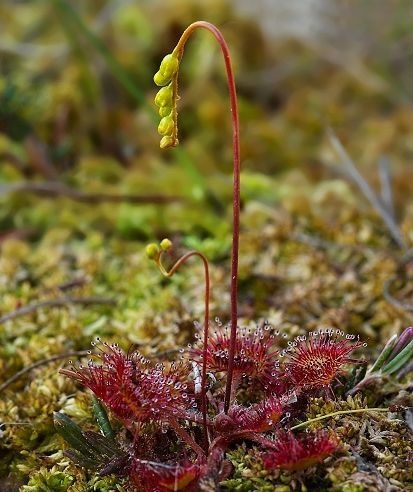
[
  {"x": 169, "y": 273},
  {"x": 236, "y": 190}
]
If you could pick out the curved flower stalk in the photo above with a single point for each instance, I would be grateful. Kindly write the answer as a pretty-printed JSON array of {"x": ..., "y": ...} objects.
[
  {"x": 153, "y": 252},
  {"x": 166, "y": 99}
]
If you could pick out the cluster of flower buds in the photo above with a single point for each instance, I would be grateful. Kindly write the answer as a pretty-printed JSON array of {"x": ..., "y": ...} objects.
[
  {"x": 165, "y": 99},
  {"x": 153, "y": 251}
]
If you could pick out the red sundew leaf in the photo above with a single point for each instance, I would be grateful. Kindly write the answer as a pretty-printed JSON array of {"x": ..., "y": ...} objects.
[
  {"x": 298, "y": 453},
  {"x": 255, "y": 353},
  {"x": 260, "y": 417},
  {"x": 152, "y": 476},
  {"x": 315, "y": 363},
  {"x": 132, "y": 388}
]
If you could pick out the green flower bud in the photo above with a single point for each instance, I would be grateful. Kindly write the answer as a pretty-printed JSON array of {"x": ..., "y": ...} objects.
[
  {"x": 164, "y": 96},
  {"x": 159, "y": 79},
  {"x": 166, "y": 125},
  {"x": 167, "y": 141},
  {"x": 164, "y": 111},
  {"x": 152, "y": 251},
  {"x": 166, "y": 244},
  {"x": 169, "y": 67}
]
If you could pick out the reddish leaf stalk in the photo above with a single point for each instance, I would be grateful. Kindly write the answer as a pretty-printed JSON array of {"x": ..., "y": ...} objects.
[
  {"x": 181, "y": 432},
  {"x": 221, "y": 443},
  {"x": 236, "y": 186}
]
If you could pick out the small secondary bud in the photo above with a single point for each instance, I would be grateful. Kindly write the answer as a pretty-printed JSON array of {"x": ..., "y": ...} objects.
[
  {"x": 152, "y": 251},
  {"x": 169, "y": 67},
  {"x": 166, "y": 244}
]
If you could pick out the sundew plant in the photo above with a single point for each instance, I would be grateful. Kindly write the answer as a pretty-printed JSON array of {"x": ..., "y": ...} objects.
[{"x": 233, "y": 410}]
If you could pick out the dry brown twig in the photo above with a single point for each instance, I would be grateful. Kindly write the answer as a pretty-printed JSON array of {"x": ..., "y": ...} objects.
[
  {"x": 40, "y": 363},
  {"x": 70, "y": 284},
  {"x": 60, "y": 302},
  {"x": 377, "y": 202},
  {"x": 384, "y": 205},
  {"x": 52, "y": 189}
]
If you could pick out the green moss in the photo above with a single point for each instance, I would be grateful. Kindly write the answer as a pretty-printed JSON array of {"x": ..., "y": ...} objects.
[{"x": 48, "y": 481}]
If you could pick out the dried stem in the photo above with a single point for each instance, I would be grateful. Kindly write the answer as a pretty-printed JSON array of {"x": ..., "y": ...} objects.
[
  {"x": 52, "y": 189},
  {"x": 39, "y": 363},
  {"x": 334, "y": 414},
  {"x": 64, "y": 301},
  {"x": 405, "y": 306},
  {"x": 366, "y": 189},
  {"x": 236, "y": 186},
  {"x": 385, "y": 185},
  {"x": 70, "y": 284}
]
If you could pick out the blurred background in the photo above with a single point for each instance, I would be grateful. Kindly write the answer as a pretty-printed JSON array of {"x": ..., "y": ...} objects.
[
  {"x": 76, "y": 89},
  {"x": 82, "y": 175}
]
